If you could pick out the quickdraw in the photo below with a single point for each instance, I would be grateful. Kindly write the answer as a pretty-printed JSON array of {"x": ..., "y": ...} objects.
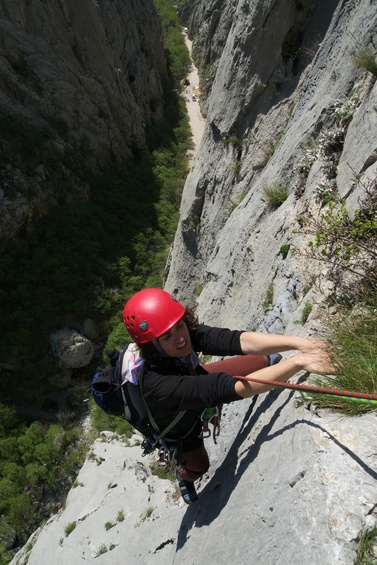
[
  {"x": 167, "y": 456},
  {"x": 167, "y": 453},
  {"x": 211, "y": 416}
]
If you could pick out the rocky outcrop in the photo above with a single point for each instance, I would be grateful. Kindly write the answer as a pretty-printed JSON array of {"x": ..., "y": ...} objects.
[
  {"x": 96, "y": 66},
  {"x": 71, "y": 350},
  {"x": 81, "y": 81},
  {"x": 286, "y": 486}
]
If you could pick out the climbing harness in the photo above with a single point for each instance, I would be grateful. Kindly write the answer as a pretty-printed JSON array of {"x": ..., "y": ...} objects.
[{"x": 359, "y": 396}]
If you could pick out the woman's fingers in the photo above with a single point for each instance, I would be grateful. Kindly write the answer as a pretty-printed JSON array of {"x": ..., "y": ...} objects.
[{"x": 319, "y": 362}]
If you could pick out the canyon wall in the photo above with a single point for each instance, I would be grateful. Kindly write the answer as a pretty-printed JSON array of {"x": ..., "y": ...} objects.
[
  {"x": 87, "y": 76},
  {"x": 287, "y": 484},
  {"x": 284, "y": 79}
]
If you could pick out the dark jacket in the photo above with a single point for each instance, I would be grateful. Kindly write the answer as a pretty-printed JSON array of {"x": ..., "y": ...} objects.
[{"x": 169, "y": 388}]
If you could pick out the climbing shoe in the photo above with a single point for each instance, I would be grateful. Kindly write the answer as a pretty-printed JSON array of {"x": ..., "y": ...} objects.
[
  {"x": 187, "y": 490},
  {"x": 274, "y": 359}
]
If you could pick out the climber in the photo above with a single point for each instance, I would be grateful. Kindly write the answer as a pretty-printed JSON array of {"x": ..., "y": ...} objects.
[{"x": 169, "y": 335}]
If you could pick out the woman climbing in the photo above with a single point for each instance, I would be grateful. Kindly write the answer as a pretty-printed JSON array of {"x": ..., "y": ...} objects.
[{"x": 169, "y": 337}]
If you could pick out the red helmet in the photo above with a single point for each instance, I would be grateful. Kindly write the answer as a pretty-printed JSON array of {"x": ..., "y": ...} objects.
[{"x": 150, "y": 313}]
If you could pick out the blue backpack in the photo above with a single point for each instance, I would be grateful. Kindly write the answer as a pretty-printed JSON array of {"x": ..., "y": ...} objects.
[{"x": 118, "y": 395}]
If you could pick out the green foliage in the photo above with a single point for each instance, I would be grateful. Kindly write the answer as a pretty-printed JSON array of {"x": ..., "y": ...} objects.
[
  {"x": 237, "y": 168},
  {"x": 69, "y": 528},
  {"x": 5, "y": 556},
  {"x": 90, "y": 238},
  {"x": 327, "y": 149},
  {"x": 115, "y": 236},
  {"x": 269, "y": 298},
  {"x": 118, "y": 337},
  {"x": 145, "y": 515},
  {"x": 234, "y": 203},
  {"x": 102, "y": 421},
  {"x": 366, "y": 59},
  {"x": 103, "y": 549},
  {"x": 34, "y": 461},
  {"x": 199, "y": 289},
  {"x": 365, "y": 549},
  {"x": 354, "y": 338},
  {"x": 275, "y": 194},
  {"x": 308, "y": 307},
  {"x": 284, "y": 250},
  {"x": 345, "y": 108},
  {"x": 120, "y": 516},
  {"x": 176, "y": 50},
  {"x": 326, "y": 192},
  {"x": 82, "y": 258},
  {"x": 8, "y": 420},
  {"x": 234, "y": 142},
  {"x": 350, "y": 234},
  {"x": 162, "y": 472},
  {"x": 349, "y": 244}
]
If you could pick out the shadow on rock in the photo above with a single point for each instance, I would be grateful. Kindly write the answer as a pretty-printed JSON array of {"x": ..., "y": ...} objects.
[{"x": 214, "y": 497}]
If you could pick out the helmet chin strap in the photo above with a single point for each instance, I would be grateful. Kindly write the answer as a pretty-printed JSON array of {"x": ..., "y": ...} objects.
[{"x": 157, "y": 345}]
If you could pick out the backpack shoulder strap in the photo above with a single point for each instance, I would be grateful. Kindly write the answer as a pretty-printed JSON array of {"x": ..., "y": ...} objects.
[
  {"x": 127, "y": 355},
  {"x": 152, "y": 420},
  {"x": 127, "y": 411}
]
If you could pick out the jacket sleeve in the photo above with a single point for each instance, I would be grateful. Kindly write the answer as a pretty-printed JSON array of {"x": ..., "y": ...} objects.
[
  {"x": 217, "y": 341},
  {"x": 186, "y": 392}
]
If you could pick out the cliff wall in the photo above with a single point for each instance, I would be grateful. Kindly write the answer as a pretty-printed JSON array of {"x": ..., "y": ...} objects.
[
  {"x": 96, "y": 66},
  {"x": 89, "y": 76},
  {"x": 283, "y": 74}
]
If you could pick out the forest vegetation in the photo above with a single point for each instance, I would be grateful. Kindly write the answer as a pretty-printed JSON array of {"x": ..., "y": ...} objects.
[{"x": 83, "y": 258}]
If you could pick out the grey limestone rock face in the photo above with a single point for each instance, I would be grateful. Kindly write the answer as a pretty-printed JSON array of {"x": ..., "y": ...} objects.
[
  {"x": 95, "y": 65},
  {"x": 88, "y": 73},
  {"x": 71, "y": 349},
  {"x": 285, "y": 486},
  {"x": 266, "y": 121}
]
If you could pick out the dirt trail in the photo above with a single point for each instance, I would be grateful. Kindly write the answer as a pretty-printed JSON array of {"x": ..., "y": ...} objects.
[{"x": 191, "y": 98}]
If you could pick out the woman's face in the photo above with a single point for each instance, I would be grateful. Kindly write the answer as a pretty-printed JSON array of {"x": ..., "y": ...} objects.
[{"x": 176, "y": 342}]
